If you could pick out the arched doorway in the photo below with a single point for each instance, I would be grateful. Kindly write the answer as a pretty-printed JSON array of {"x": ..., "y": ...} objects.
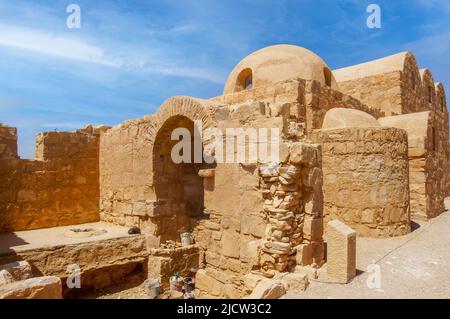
[{"x": 178, "y": 186}]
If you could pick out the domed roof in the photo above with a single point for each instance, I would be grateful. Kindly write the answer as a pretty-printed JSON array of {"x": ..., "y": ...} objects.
[
  {"x": 278, "y": 63},
  {"x": 342, "y": 118}
]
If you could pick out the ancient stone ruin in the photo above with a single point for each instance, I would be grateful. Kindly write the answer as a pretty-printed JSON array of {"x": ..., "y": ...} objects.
[{"x": 361, "y": 151}]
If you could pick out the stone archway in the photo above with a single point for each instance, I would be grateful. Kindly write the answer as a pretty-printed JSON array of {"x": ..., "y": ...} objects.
[{"x": 178, "y": 187}]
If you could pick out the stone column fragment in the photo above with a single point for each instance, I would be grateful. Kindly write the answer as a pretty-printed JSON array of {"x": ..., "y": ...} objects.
[{"x": 341, "y": 252}]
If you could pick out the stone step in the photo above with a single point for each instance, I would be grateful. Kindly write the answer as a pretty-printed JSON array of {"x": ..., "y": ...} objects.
[{"x": 48, "y": 287}]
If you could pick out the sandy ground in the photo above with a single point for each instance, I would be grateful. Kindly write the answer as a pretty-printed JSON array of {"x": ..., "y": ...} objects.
[{"x": 413, "y": 266}]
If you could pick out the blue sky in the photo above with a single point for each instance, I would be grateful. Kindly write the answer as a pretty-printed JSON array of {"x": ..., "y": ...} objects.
[{"x": 129, "y": 56}]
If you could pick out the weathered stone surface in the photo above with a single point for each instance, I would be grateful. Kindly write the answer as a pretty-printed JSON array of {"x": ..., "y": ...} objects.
[
  {"x": 304, "y": 254},
  {"x": 313, "y": 229},
  {"x": 268, "y": 289},
  {"x": 303, "y": 153},
  {"x": 296, "y": 281},
  {"x": 427, "y": 176},
  {"x": 5, "y": 278},
  {"x": 34, "y": 288},
  {"x": 342, "y": 118},
  {"x": 251, "y": 281},
  {"x": 365, "y": 179},
  {"x": 20, "y": 270},
  {"x": 341, "y": 252},
  {"x": 206, "y": 285},
  {"x": 164, "y": 263},
  {"x": 92, "y": 257},
  {"x": 60, "y": 187},
  {"x": 125, "y": 175}
]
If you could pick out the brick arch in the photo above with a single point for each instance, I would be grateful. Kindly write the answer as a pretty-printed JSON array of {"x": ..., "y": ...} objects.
[{"x": 191, "y": 108}]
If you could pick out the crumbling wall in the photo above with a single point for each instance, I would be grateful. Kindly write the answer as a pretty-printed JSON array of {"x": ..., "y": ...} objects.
[
  {"x": 164, "y": 263},
  {"x": 272, "y": 224},
  {"x": 8, "y": 142},
  {"x": 60, "y": 188},
  {"x": 366, "y": 179}
]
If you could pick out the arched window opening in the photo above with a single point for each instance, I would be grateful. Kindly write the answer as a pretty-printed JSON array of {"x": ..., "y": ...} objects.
[
  {"x": 443, "y": 103},
  {"x": 430, "y": 94},
  {"x": 244, "y": 80},
  {"x": 179, "y": 188},
  {"x": 434, "y": 140},
  {"x": 327, "y": 75}
]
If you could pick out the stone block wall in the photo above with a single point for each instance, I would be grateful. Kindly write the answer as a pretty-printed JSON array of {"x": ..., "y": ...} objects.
[
  {"x": 393, "y": 85},
  {"x": 428, "y": 153},
  {"x": 102, "y": 262},
  {"x": 382, "y": 91},
  {"x": 244, "y": 226},
  {"x": 127, "y": 196},
  {"x": 55, "y": 190},
  {"x": 165, "y": 263},
  {"x": 308, "y": 103},
  {"x": 447, "y": 175},
  {"x": 366, "y": 182},
  {"x": 8, "y": 142},
  {"x": 319, "y": 99},
  {"x": 278, "y": 219}
]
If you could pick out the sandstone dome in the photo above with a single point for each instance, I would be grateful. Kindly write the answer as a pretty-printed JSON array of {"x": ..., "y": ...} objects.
[
  {"x": 344, "y": 118},
  {"x": 278, "y": 63}
]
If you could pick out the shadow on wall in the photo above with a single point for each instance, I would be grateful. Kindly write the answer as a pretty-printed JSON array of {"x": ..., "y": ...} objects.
[{"x": 179, "y": 187}]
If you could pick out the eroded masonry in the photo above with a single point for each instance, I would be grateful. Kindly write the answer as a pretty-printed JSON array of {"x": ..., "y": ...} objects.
[{"x": 362, "y": 151}]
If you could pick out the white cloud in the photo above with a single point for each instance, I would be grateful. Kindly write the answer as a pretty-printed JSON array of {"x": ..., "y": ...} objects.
[
  {"x": 51, "y": 44},
  {"x": 47, "y": 43}
]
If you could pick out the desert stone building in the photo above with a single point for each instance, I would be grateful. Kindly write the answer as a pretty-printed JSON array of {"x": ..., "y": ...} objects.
[{"x": 367, "y": 145}]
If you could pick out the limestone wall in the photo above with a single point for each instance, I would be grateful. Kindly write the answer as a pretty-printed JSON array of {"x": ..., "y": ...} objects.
[
  {"x": 394, "y": 85},
  {"x": 126, "y": 193},
  {"x": 276, "y": 227},
  {"x": 61, "y": 188},
  {"x": 249, "y": 220},
  {"x": 308, "y": 103},
  {"x": 366, "y": 179},
  {"x": 8, "y": 142},
  {"x": 428, "y": 153},
  {"x": 164, "y": 263},
  {"x": 381, "y": 90},
  {"x": 447, "y": 176},
  {"x": 319, "y": 99}
]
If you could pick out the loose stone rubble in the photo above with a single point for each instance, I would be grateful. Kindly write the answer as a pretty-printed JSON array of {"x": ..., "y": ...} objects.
[{"x": 367, "y": 145}]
